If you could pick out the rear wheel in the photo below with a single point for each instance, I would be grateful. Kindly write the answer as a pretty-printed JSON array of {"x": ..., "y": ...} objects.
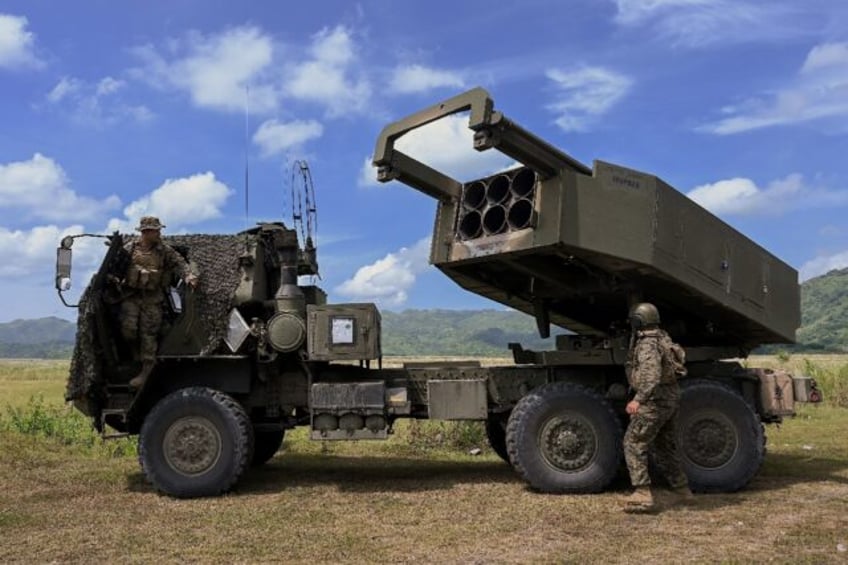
[
  {"x": 563, "y": 437},
  {"x": 720, "y": 437},
  {"x": 195, "y": 442},
  {"x": 265, "y": 444}
]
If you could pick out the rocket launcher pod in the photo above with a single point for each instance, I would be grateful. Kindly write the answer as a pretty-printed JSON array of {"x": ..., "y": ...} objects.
[{"x": 575, "y": 246}]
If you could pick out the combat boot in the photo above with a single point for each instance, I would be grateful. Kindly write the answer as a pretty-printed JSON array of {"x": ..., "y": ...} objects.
[
  {"x": 138, "y": 381},
  {"x": 640, "y": 502},
  {"x": 682, "y": 495}
]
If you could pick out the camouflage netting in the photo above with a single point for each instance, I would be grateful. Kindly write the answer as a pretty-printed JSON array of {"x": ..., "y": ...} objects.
[
  {"x": 85, "y": 363},
  {"x": 216, "y": 260}
]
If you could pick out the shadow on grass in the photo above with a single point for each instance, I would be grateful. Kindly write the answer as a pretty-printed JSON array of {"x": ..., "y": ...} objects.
[
  {"x": 412, "y": 474},
  {"x": 783, "y": 469},
  {"x": 366, "y": 474},
  {"x": 359, "y": 474}
]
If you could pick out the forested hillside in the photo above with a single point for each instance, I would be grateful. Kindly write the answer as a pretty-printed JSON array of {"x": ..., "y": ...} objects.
[{"x": 824, "y": 307}]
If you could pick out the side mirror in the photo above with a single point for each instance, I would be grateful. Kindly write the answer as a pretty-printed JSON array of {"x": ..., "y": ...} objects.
[{"x": 63, "y": 269}]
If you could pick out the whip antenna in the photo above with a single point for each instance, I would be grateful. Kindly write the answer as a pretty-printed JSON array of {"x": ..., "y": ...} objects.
[{"x": 246, "y": 154}]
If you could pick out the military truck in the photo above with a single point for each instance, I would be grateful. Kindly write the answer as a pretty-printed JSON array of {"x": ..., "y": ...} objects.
[{"x": 251, "y": 353}]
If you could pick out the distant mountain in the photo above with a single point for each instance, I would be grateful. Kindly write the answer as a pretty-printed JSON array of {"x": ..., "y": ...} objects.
[
  {"x": 411, "y": 332},
  {"x": 824, "y": 326},
  {"x": 44, "y": 338},
  {"x": 42, "y": 330},
  {"x": 459, "y": 332},
  {"x": 824, "y": 312}
]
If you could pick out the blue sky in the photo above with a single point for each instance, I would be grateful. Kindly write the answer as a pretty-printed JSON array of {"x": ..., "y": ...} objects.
[{"x": 114, "y": 110}]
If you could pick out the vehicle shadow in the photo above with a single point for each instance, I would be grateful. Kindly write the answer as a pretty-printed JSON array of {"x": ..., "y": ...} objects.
[
  {"x": 382, "y": 473},
  {"x": 359, "y": 474},
  {"x": 372, "y": 473},
  {"x": 783, "y": 469}
]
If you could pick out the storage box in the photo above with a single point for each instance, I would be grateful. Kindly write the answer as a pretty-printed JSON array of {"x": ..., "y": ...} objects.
[{"x": 337, "y": 332}]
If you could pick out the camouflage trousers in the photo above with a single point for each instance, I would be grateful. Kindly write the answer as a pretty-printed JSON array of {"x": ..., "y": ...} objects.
[
  {"x": 653, "y": 426},
  {"x": 141, "y": 318}
]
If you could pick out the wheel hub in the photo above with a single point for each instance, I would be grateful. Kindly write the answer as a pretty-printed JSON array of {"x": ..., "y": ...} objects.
[
  {"x": 568, "y": 443},
  {"x": 192, "y": 445},
  {"x": 710, "y": 441}
]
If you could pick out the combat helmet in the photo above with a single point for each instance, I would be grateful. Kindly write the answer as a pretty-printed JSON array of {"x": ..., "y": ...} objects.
[{"x": 644, "y": 315}]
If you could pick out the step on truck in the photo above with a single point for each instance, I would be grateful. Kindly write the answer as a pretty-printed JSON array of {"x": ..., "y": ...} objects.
[{"x": 251, "y": 353}]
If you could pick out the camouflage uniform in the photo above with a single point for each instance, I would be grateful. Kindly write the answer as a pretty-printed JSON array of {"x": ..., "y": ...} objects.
[
  {"x": 656, "y": 420},
  {"x": 147, "y": 277}
]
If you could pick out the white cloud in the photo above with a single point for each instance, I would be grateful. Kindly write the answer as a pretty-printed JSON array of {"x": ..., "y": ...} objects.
[
  {"x": 584, "y": 94},
  {"x": 417, "y": 78},
  {"x": 275, "y": 137},
  {"x": 388, "y": 280},
  {"x": 24, "y": 253},
  {"x": 177, "y": 202},
  {"x": 67, "y": 86},
  {"x": 446, "y": 145},
  {"x": 742, "y": 196},
  {"x": 823, "y": 264},
  {"x": 325, "y": 78},
  {"x": 96, "y": 104},
  {"x": 701, "y": 23},
  {"x": 818, "y": 91},
  {"x": 39, "y": 188},
  {"x": 17, "y": 45},
  {"x": 216, "y": 69}
]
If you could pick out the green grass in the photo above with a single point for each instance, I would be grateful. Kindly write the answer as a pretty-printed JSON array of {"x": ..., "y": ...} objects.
[
  {"x": 21, "y": 380},
  {"x": 419, "y": 496}
]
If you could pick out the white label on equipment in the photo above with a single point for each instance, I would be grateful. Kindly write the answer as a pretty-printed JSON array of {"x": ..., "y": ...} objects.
[{"x": 342, "y": 332}]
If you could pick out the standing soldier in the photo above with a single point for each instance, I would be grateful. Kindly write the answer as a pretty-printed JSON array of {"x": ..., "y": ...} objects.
[
  {"x": 653, "y": 364},
  {"x": 149, "y": 274}
]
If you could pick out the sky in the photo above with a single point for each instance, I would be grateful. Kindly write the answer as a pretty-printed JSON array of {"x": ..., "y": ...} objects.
[{"x": 115, "y": 110}]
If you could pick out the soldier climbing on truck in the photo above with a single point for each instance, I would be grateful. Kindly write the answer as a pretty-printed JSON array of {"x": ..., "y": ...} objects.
[
  {"x": 147, "y": 277},
  {"x": 257, "y": 353}
]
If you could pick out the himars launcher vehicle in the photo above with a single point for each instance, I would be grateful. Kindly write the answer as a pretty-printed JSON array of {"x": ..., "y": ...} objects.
[{"x": 252, "y": 354}]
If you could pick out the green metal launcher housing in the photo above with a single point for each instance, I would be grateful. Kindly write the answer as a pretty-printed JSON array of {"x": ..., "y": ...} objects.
[{"x": 576, "y": 246}]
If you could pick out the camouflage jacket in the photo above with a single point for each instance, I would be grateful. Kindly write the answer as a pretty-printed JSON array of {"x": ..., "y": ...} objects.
[
  {"x": 150, "y": 269},
  {"x": 649, "y": 377}
]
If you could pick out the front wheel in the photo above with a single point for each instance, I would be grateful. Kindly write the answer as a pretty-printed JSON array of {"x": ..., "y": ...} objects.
[
  {"x": 564, "y": 438},
  {"x": 720, "y": 437},
  {"x": 195, "y": 442}
]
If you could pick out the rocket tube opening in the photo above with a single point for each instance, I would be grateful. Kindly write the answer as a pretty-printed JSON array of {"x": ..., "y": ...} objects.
[
  {"x": 474, "y": 195},
  {"x": 498, "y": 190},
  {"x": 520, "y": 214},
  {"x": 494, "y": 220},
  {"x": 523, "y": 183},
  {"x": 470, "y": 225}
]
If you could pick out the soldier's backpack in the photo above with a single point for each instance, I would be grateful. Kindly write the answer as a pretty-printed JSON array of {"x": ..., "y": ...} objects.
[{"x": 673, "y": 358}]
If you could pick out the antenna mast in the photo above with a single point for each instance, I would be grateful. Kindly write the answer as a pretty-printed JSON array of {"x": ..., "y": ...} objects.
[{"x": 246, "y": 153}]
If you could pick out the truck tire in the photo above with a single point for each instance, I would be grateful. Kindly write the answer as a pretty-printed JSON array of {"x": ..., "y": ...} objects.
[
  {"x": 496, "y": 432},
  {"x": 195, "y": 442},
  {"x": 564, "y": 438},
  {"x": 720, "y": 437},
  {"x": 265, "y": 445}
]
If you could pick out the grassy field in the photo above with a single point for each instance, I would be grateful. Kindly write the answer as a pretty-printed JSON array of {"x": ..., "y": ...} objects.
[{"x": 66, "y": 498}]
